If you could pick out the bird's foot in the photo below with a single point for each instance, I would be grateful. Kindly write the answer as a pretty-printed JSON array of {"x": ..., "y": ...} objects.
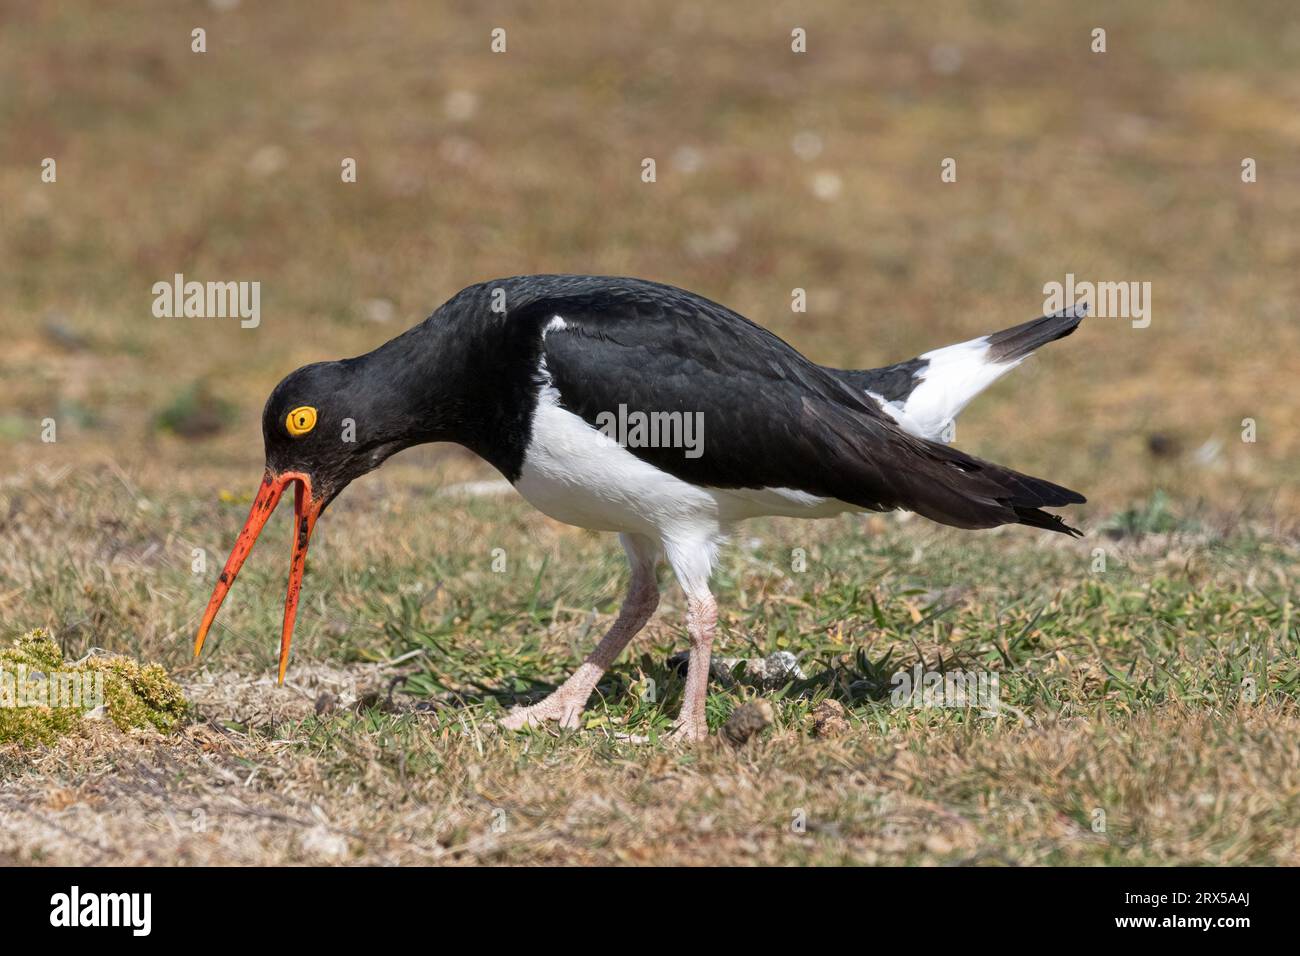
[
  {"x": 689, "y": 731},
  {"x": 560, "y": 707}
]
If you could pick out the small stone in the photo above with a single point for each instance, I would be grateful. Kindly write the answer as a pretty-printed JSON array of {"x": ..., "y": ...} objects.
[
  {"x": 829, "y": 719},
  {"x": 747, "y": 720},
  {"x": 765, "y": 673},
  {"x": 780, "y": 667}
]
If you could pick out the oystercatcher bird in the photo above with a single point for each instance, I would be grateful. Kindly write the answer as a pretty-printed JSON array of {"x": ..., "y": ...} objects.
[{"x": 529, "y": 372}]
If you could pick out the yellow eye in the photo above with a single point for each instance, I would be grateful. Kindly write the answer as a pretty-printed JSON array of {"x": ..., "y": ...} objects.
[{"x": 301, "y": 420}]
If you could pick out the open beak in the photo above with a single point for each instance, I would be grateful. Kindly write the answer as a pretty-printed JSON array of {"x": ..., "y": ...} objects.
[{"x": 306, "y": 509}]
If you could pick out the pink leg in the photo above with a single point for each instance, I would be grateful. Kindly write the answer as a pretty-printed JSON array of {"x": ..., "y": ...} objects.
[
  {"x": 701, "y": 620},
  {"x": 567, "y": 702}
]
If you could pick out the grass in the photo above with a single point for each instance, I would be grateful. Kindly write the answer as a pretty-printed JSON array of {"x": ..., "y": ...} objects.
[
  {"x": 1155, "y": 699},
  {"x": 1147, "y": 671}
]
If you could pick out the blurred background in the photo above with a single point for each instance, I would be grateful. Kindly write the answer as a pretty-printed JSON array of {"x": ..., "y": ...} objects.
[{"x": 775, "y": 171}]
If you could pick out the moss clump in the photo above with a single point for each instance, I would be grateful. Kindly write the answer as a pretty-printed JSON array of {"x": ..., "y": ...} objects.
[
  {"x": 34, "y": 676},
  {"x": 136, "y": 695}
]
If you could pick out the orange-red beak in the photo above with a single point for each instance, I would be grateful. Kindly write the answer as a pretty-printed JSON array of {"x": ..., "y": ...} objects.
[{"x": 306, "y": 509}]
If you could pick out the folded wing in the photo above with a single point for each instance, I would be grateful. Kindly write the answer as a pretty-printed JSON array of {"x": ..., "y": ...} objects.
[{"x": 772, "y": 418}]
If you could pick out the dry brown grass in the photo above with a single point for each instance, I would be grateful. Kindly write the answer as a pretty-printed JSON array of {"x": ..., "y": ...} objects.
[
  {"x": 1184, "y": 769},
  {"x": 1176, "y": 786}
]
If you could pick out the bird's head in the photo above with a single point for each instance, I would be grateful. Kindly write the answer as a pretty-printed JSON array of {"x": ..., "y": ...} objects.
[
  {"x": 318, "y": 428},
  {"x": 320, "y": 434}
]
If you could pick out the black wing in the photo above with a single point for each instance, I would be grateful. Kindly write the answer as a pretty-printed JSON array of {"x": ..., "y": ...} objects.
[{"x": 772, "y": 418}]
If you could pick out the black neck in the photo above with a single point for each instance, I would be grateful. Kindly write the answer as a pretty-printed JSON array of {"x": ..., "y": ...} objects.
[{"x": 467, "y": 374}]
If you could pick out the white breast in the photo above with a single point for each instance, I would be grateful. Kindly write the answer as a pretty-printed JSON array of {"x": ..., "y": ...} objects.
[{"x": 578, "y": 475}]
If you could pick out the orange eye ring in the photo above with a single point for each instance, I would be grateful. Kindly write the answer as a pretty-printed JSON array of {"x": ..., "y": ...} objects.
[{"x": 301, "y": 420}]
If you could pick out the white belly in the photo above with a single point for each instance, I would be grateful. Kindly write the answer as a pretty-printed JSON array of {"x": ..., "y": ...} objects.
[{"x": 577, "y": 475}]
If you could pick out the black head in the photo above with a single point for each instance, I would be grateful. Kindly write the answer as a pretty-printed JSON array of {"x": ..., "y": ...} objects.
[
  {"x": 323, "y": 426},
  {"x": 310, "y": 427},
  {"x": 327, "y": 424}
]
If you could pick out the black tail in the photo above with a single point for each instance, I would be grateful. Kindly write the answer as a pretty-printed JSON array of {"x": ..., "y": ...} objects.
[
  {"x": 1045, "y": 519},
  {"x": 881, "y": 467},
  {"x": 1019, "y": 340},
  {"x": 992, "y": 495}
]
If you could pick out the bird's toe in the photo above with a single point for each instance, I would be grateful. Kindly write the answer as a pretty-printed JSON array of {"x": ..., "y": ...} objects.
[
  {"x": 689, "y": 732},
  {"x": 518, "y": 719},
  {"x": 565, "y": 712}
]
